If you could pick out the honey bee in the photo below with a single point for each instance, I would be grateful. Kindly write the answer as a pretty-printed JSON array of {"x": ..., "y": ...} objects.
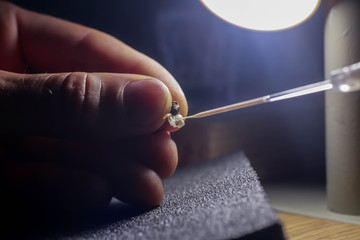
[{"x": 175, "y": 119}]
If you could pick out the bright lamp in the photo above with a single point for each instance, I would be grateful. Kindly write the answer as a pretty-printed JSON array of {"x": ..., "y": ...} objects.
[{"x": 263, "y": 15}]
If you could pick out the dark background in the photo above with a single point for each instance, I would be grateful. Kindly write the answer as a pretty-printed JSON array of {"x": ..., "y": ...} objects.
[{"x": 217, "y": 63}]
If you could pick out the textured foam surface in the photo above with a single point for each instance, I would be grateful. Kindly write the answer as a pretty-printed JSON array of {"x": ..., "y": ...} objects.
[{"x": 217, "y": 199}]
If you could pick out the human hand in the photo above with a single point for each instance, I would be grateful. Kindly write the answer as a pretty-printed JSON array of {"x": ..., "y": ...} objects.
[{"x": 80, "y": 117}]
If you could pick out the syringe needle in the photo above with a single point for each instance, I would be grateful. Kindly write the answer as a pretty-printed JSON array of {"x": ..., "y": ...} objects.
[
  {"x": 231, "y": 107},
  {"x": 295, "y": 92},
  {"x": 346, "y": 79}
]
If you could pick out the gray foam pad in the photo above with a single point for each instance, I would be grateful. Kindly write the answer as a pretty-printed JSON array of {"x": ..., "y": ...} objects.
[{"x": 217, "y": 199}]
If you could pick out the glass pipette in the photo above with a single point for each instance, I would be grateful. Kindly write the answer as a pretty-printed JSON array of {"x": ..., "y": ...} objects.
[{"x": 344, "y": 80}]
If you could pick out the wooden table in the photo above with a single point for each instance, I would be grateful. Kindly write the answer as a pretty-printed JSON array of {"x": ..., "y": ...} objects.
[{"x": 306, "y": 228}]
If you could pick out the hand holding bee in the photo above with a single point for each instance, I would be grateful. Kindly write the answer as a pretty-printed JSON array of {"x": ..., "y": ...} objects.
[{"x": 83, "y": 123}]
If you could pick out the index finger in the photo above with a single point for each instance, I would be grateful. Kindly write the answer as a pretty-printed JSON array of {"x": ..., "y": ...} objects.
[{"x": 49, "y": 44}]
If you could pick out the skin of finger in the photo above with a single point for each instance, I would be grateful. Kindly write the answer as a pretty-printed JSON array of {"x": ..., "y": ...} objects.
[
  {"x": 77, "y": 154},
  {"x": 52, "y": 45},
  {"x": 134, "y": 179},
  {"x": 44, "y": 190},
  {"x": 10, "y": 54},
  {"x": 158, "y": 152},
  {"x": 86, "y": 105},
  {"x": 134, "y": 183}
]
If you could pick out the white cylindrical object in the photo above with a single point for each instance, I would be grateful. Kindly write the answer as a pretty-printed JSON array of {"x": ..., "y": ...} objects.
[{"x": 342, "y": 47}]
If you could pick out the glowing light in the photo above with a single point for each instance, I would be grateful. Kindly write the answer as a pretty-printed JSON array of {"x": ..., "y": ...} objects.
[
  {"x": 263, "y": 15},
  {"x": 344, "y": 88}
]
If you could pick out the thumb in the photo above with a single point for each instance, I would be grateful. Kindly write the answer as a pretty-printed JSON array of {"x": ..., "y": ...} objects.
[{"x": 81, "y": 104}]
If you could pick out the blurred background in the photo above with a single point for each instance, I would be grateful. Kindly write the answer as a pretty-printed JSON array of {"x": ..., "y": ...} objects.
[{"x": 217, "y": 63}]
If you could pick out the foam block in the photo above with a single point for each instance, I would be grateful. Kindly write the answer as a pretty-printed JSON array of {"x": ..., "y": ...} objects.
[{"x": 217, "y": 199}]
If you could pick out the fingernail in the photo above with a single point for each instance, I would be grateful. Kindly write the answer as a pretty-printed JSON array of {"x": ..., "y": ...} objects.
[{"x": 144, "y": 101}]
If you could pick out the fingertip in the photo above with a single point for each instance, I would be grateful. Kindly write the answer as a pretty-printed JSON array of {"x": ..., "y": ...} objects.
[
  {"x": 168, "y": 128},
  {"x": 98, "y": 192},
  {"x": 150, "y": 67},
  {"x": 145, "y": 102},
  {"x": 139, "y": 186},
  {"x": 162, "y": 154},
  {"x": 153, "y": 192}
]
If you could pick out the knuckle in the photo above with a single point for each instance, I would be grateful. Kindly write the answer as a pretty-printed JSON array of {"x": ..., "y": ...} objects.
[
  {"x": 73, "y": 86},
  {"x": 81, "y": 98},
  {"x": 92, "y": 98}
]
